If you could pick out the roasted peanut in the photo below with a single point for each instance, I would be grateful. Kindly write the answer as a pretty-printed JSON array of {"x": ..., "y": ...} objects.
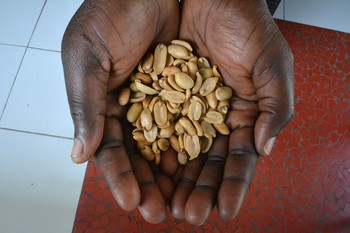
[{"x": 176, "y": 100}]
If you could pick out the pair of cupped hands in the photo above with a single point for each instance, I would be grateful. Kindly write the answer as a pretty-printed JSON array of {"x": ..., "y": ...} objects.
[{"x": 104, "y": 42}]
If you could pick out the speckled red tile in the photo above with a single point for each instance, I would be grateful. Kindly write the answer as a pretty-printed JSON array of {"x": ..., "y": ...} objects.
[{"x": 304, "y": 186}]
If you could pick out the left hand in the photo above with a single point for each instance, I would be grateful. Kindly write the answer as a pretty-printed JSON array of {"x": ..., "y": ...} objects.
[{"x": 255, "y": 60}]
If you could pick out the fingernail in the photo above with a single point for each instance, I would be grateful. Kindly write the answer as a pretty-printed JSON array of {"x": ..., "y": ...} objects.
[
  {"x": 269, "y": 145},
  {"x": 78, "y": 148}
]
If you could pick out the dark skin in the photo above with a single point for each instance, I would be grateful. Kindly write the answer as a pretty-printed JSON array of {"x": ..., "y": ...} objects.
[
  {"x": 256, "y": 62},
  {"x": 103, "y": 44}
]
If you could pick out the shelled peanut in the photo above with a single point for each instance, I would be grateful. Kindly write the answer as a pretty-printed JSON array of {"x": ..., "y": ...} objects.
[{"x": 176, "y": 100}]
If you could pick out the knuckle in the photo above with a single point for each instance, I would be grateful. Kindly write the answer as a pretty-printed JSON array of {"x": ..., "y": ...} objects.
[
  {"x": 83, "y": 105},
  {"x": 76, "y": 110},
  {"x": 109, "y": 145},
  {"x": 241, "y": 150},
  {"x": 238, "y": 179}
]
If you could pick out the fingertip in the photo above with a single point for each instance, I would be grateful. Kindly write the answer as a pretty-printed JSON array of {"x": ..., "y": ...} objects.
[
  {"x": 130, "y": 206},
  {"x": 268, "y": 146},
  {"x": 154, "y": 217},
  {"x": 198, "y": 209},
  {"x": 228, "y": 205},
  {"x": 228, "y": 212},
  {"x": 177, "y": 213},
  {"x": 77, "y": 154},
  {"x": 228, "y": 215},
  {"x": 265, "y": 135},
  {"x": 178, "y": 202},
  {"x": 193, "y": 218},
  {"x": 130, "y": 198},
  {"x": 152, "y": 206},
  {"x": 264, "y": 147}
]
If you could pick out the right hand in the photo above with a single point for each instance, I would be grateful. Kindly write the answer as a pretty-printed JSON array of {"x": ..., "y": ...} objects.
[{"x": 103, "y": 43}]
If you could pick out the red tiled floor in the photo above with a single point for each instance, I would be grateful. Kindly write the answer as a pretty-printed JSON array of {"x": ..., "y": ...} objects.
[{"x": 304, "y": 186}]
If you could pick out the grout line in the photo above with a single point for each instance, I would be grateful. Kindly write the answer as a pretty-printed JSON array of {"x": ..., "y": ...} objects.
[
  {"x": 35, "y": 133},
  {"x": 13, "y": 84},
  {"x": 36, "y": 24},
  {"x": 20, "y": 64},
  {"x": 284, "y": 9},
  {"x": 49, "y": 50},
  {"x": 14, "y": 45}
]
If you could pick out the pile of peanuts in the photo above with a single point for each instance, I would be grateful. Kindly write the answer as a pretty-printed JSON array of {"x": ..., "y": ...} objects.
[{"x": 176, "y": 99}]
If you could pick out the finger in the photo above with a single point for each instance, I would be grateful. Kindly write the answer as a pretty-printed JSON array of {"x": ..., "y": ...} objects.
[
  {"x": 152, "y": 205},
  {"x": 178, "y": 174},
  {"x": 190, "y": 173},
  {"x": 165, "y": 183},
  {"x": 242, "y": 113},
  {"x": 166, "y": 187},
  {"x": 115, "y": 166},
  {"x": 275, "y": 90},
  {"x": 203, "y": 198},
  {"x": 168, "y": 163},
  {"x": 86, "y": 82},
  {"x": 239, "y": 169}
]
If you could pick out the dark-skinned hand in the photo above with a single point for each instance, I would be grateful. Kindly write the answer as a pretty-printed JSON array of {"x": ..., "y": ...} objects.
[
  {"x": 254, "y": 59},
  {"x": 102, "y": 44}
]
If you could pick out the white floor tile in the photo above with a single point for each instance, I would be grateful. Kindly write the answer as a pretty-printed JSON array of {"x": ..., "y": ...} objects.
[
  {"x": 322, "y": 13},
  {"x": 40, "y": 186},
  {"x": 18, "y": 19},
  {"x": 279, "y": 13},
  {"x": 53, "y": 22},
  {"x": 10, "y": 59},
  {"x": 38, "y": 101}
]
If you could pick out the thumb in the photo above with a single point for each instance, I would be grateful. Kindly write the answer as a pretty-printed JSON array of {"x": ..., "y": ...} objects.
[
  {"x": 86, "y": 83},
  {"x": 276, "y": 102},
  {"x": 277, "y": 109}
]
